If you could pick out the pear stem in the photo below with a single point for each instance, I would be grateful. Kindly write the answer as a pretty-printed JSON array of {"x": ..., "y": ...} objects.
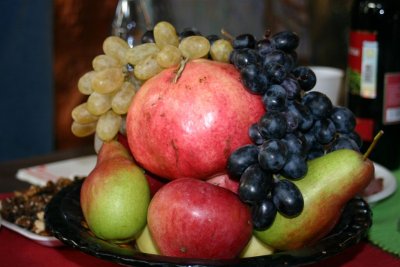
[
  {"x": 373, "y": 144},
  {"x": 180, "y": 69}
]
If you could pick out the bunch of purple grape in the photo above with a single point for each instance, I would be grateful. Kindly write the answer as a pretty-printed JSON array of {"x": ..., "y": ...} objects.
[{"x": 298, "y": 126}]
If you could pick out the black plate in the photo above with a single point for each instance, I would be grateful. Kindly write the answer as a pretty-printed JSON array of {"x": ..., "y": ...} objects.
[{"x": 64, "y": 217}]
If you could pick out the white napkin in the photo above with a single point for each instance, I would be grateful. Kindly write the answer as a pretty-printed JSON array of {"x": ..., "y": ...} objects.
[{"x": 70, "y": 168}]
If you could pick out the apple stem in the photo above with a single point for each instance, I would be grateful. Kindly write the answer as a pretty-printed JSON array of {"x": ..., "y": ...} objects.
[
  {"x": 372, "y": 145},
  {"x": 180, "y": 69},
  {"x": 227, "y": 34}
]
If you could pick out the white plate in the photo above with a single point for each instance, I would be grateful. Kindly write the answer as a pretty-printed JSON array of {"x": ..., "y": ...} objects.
[
  {"x": 49, "y": 241},
  {"x": 389, "y": 184}
]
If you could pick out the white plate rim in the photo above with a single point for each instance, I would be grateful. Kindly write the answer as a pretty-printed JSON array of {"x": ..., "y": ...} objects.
[
  {"x": 389, "y": 184},
  {"x": 49, "y": 241}
]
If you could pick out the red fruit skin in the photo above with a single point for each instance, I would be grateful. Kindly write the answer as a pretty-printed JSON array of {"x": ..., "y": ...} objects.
[
  {"x": 190, "y": 218},
  {"x": 155, "y": 183},
  {"x": 189, "y": 128}
]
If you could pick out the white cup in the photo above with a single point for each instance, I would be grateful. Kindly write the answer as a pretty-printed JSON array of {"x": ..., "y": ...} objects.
[{"x": 330, "y": 82}]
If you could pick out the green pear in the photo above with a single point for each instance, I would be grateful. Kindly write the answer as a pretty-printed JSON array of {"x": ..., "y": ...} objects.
[
  {"x": 255, "y": 248},
  {"x": 331, "y": 181},
  {"x": 145, "y": 242},
  {"x": 115, "y": 196}
]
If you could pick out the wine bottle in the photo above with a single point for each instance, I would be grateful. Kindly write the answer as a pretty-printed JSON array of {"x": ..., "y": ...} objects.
[{"x": 373, "y": 76}]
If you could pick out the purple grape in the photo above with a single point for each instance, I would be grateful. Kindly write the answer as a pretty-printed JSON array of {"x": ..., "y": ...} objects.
[
  {"x": 318, "y": 103},
  {"x": 255, "y": 184},
  {"x": 306, "y": 77},
  {"x": 287, "y": 198},
  {"x": 272, "y": 155},
  {"x": 244, "y": 41},
  {"x": 263, "y": 214},
  {"x": 295, "y": 167},
  {"x": 344, "y": 119},
  {"x": 273, "y": 125},
  {"x": 324, "y": 131},
  {"x": 241, "y": 159},
  {"x": 255, "y": 135},
  {"x": 286, "y": 40},
  {"x": 275, "y": 98}
]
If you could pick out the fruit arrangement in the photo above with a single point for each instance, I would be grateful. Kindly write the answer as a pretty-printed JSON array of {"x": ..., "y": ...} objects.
[{"x": 214, "y": 147}]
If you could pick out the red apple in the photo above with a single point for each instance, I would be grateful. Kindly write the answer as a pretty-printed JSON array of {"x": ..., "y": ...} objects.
[
  {"x": 189, "y": 218},
  {"x": 189, "y": 128}
]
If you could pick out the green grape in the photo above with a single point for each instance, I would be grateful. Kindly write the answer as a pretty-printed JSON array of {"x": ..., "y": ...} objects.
[
  {"x": 147, "y": 68},
  {"x": 83, "y": 129},
  {"x": 98, "y": 104},
  {"x": 82, "y": 115},
  {"x": 85, "y": 83},
  {"x": 102, "y": 62},
  {"x": 169, "y": 56},
  {"x": 165, "y": 33},
  {"x": 220, "y": 50},
  {"x": 108, "y": 125},
  {"x": 107, "y": 80},
  {"x": 138, "y": 53},
  {"x": 116, "y": 47},
  {"x": 193, "y": 47},
  {"x": 122, "y": 99}
]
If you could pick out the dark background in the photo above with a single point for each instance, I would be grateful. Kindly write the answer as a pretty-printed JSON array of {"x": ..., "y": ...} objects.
[{"x": 47, "y": 45}]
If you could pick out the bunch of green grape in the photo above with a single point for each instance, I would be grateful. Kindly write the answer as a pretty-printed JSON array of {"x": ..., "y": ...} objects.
[{"x": 119, "y": 72}]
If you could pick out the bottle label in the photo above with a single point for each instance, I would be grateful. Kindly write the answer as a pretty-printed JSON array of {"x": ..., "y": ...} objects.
[
  {"x": 363, "y": 64},
  {"x": 391, "y": 101}
]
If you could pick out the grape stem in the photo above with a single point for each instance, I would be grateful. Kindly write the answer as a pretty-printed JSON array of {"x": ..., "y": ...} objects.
[
  {"x": 227, "y": 34},
  {"x": 180, "y": 69},
  {"x": 373, "y": 144}
]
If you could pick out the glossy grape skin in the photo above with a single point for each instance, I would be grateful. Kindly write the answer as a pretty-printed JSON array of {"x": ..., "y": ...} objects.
[
  {"x": 305, "y": 118},
  {"x": 243, "y": 57},
  {"x": 263, "y": 214},
  {"x": 83, "y": 129},
  {"x": 139, "y": 53},
  {"x": 324, "y": 131},
  {"x": 241, "y": 159},
  {"x": 255, "y": 134},
  {"x": 276, "y": 72},
  {"x": 287, "y": 198},
  {"x": 315, "y": 151},
  {"x": 280, "y": 57},
  {"x": 273, "y": 155},
  {"x": 286, "y": 40},
  {"x": 295, "y": 167},
  {"x": 292, "y": 122},
  {"x": 244, "y": 41},
  {"x": 148, "y": 37},
  {"x": 273, "y": 125},
  {"x": 85, "y": 83},
  {"x": 264, "y": 46},
  {"x": 318, "y": 103},
  {"x": 343, "y": 142},
  {"x": 82, "y": 115},
  {"x": 190, "y": 31},
  {"x": 292, "y": 88},
  {"x": 165, "y": 33},
  {"x": 220, "y": 50},
  {"x": 169, "y": 56},
  {"x": 275, "y": 98},
  {"x": 195, "y": 46},
  {"x": 355, "y": 137},
  {"x": 254, "y": 79},
  {"x": 294, "y": 144},
  {"x": 344, "y": 119},
  {"x": 306, "y": 77},
  {"x": 212, "y": 38},
  {"x": 255, "y": 184}
]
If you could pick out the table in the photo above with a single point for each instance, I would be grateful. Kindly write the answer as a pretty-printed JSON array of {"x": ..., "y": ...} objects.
[{"x": 16, "y": 250}]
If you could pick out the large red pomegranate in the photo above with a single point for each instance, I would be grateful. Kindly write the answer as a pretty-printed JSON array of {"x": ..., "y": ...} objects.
[{"x": 188, "y": 128}]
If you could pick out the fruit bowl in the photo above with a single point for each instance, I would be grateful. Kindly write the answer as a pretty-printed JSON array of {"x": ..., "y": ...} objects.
[{"x": 64, "y": 218}]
